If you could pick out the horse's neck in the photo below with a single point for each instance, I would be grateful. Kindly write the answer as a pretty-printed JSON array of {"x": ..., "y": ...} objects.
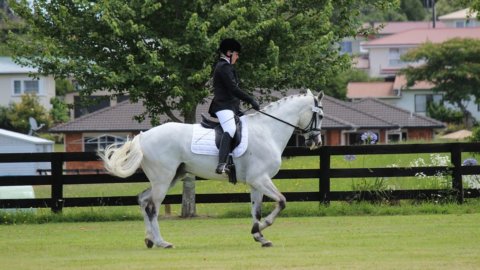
[{"x": 287, "y": 110}]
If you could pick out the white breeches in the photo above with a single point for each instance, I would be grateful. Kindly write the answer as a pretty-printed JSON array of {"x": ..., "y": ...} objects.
[{"x": 227, "y": 121}]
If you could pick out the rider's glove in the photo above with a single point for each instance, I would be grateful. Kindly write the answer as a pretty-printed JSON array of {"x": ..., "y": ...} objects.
[{"x": 255, "y": 105}]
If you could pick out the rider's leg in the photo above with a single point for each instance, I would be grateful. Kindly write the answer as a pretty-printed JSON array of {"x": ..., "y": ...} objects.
[{"x": 227, "y": 120}]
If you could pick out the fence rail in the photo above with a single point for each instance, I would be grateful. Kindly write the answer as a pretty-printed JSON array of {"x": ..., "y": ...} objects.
[{"x": 58, "y": 178}]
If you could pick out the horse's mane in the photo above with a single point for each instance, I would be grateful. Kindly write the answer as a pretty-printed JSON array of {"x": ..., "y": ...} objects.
[{"x": 276, "y": 104}]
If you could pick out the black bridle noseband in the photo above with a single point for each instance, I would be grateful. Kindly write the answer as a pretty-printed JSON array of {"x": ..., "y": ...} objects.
[{"x": 311, "y": 126}]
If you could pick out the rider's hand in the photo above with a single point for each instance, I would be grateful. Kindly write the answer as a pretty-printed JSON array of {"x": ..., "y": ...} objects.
[{"x": 255, "y": 105}]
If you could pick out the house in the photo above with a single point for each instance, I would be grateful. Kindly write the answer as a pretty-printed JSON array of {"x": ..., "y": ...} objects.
[
  {"x": 343, "y": 124},
  {"x": 384, "y": 53},
  {"x": 414, "y": 99},
  {"x": 15, "y": 81},
  {"x": 460, "y": 19},
  {"x": 392, "y": 28}
]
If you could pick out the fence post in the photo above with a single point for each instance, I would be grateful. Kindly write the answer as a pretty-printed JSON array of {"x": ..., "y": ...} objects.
[
  {"x": 457, "y": 184},
  {"x": 325, "y": 175},
  {"x": 57, "y": 185}
]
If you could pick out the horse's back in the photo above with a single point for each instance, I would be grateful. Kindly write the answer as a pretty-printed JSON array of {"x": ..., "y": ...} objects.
[{"x": 170, "y": 139}]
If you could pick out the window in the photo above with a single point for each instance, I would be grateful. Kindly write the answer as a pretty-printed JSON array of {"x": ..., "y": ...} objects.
[
  {"x": 459, "y": 24},
  {"x": 362, "y": 47},
  {"x": 26, "y": 86},
  {"x": 394, "y": 55},
  {"x": 92, "y": 144},
  {"x": 422, "y": 101},
  {"x": 83, "y": 106},
  {"x": 396, "y": 136},
  {"x": 346, "y": 47}
]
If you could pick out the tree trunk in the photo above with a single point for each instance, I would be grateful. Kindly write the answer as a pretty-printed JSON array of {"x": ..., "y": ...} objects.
[
  {"x": 189, "y": 208},
  {"x": 468, "y": 120}
]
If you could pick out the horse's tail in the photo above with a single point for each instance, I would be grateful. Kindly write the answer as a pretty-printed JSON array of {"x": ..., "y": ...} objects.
[{"x": 123, "y": 161}]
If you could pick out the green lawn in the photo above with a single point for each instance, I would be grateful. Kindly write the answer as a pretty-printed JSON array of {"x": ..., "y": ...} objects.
[{"x": 364, "y": 242}]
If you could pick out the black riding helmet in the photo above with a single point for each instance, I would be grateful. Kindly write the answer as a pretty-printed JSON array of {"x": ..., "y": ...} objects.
[{"x": 229, "y": 44}]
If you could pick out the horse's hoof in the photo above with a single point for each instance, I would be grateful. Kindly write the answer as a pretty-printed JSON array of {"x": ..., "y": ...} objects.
[
  {"x": 148, "y": 243},
  {"x": 267, "y": 244},
  {"x": 165, "y": 245}
]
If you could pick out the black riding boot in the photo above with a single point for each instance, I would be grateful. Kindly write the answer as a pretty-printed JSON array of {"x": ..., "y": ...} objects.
[{"x": 224, "y": 151}]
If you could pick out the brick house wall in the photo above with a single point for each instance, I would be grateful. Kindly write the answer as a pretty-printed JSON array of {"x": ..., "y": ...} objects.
[
  {"x": 74, "y": 143},
  {"x": 333, "y": 137},
  {"x": 420, "y": 134}
]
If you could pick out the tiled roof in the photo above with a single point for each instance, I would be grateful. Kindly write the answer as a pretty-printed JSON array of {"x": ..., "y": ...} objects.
[
  {"x": 390, "y": 28},
  {"x": 460, "y": 14},
  {"x": 115, "y": 118},
  {"x": 349, "y": 115},
  {"x": 419, "y": 36},
  {"x": 401, "y": 83},
  {"x": 338, "y": 115},
  {"x": 394, "y": 115}
]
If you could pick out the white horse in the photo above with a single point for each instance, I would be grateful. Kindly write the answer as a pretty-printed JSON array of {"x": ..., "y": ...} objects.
[{"x": 165, "y": 156}]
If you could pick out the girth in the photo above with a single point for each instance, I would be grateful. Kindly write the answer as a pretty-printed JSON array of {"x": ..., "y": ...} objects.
[{"x": 211, "y": 124}]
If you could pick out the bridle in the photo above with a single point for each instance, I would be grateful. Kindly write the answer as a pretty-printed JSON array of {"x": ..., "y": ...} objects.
[{"x": 311, "y": 126}]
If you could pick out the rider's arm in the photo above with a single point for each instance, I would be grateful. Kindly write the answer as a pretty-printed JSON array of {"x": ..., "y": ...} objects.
[{"x": 228, "y": 78}]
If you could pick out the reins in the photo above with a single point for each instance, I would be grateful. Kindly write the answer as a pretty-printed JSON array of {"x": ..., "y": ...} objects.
[{"x": 310, "y": 127}]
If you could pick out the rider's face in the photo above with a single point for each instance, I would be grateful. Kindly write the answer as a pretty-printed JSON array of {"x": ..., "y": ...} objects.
[{"x": 234, "y": 56}]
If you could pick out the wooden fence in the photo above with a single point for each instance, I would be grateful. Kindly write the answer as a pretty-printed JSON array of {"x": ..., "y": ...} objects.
[{"x": 58, "y": 178}]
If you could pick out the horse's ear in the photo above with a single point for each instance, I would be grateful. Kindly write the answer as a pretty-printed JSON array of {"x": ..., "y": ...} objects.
[{"x": 320, "y": 95}]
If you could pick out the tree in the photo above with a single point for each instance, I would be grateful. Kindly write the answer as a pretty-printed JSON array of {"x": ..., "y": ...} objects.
[
  {"x": 338, "y": 85},
  {"x": 453, "y": 67},
  {"x": 19, "y": 113},
  {"x": 162, "y": 52},
  {"x": 474, "y": 5},
  {"x": 63, "y": 87},
  {"x": 413, "y": 10},
  {"x": 443, "y": 7},
  {"x": 445, "y": 114},
  {"x": 59, "y": 112}
]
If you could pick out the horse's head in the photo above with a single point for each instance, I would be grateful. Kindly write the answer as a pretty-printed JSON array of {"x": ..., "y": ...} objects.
[{"x": 312, "y": 120}]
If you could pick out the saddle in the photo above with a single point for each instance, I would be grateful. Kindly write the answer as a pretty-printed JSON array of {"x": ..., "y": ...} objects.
[
  {"x": 212, "y": 124},
  {"x": 215, "y": 125}
]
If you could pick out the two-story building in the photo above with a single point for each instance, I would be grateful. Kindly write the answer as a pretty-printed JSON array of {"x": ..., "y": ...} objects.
[
  {"x": 384, "y": 61},
  {"x": 16, "y": 80}
]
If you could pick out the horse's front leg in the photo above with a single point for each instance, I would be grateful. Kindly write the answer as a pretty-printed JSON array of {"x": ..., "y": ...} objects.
[
  {"x": 256, "y": 198},
  {"x": 258, "y": 189}
]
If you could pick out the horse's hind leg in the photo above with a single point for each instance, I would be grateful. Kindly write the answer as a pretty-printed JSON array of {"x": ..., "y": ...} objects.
[
  {"x": 150, "y": 201},
  {"x": 268, "y": 188}
]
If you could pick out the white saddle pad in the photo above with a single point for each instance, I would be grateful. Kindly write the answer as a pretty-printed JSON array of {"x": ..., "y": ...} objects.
[{"x": 203, "y": 140}]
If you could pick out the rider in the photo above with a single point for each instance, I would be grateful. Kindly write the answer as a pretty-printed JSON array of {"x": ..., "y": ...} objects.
[{"x": 227, "y": 95}]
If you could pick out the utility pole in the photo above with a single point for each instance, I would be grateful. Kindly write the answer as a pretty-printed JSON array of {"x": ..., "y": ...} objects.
[{"x": 433, "y": 14}]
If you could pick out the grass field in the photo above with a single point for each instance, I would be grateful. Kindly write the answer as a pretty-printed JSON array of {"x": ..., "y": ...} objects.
[
  {"x": 406, "y": 235},
  {"x": 363, "y": 242}
]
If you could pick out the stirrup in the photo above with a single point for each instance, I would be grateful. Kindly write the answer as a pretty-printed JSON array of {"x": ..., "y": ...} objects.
[{"x": 222, "y": 168}]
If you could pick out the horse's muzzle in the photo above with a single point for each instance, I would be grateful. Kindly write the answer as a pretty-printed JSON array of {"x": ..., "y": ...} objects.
[{"x": 314, "y": 142}]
